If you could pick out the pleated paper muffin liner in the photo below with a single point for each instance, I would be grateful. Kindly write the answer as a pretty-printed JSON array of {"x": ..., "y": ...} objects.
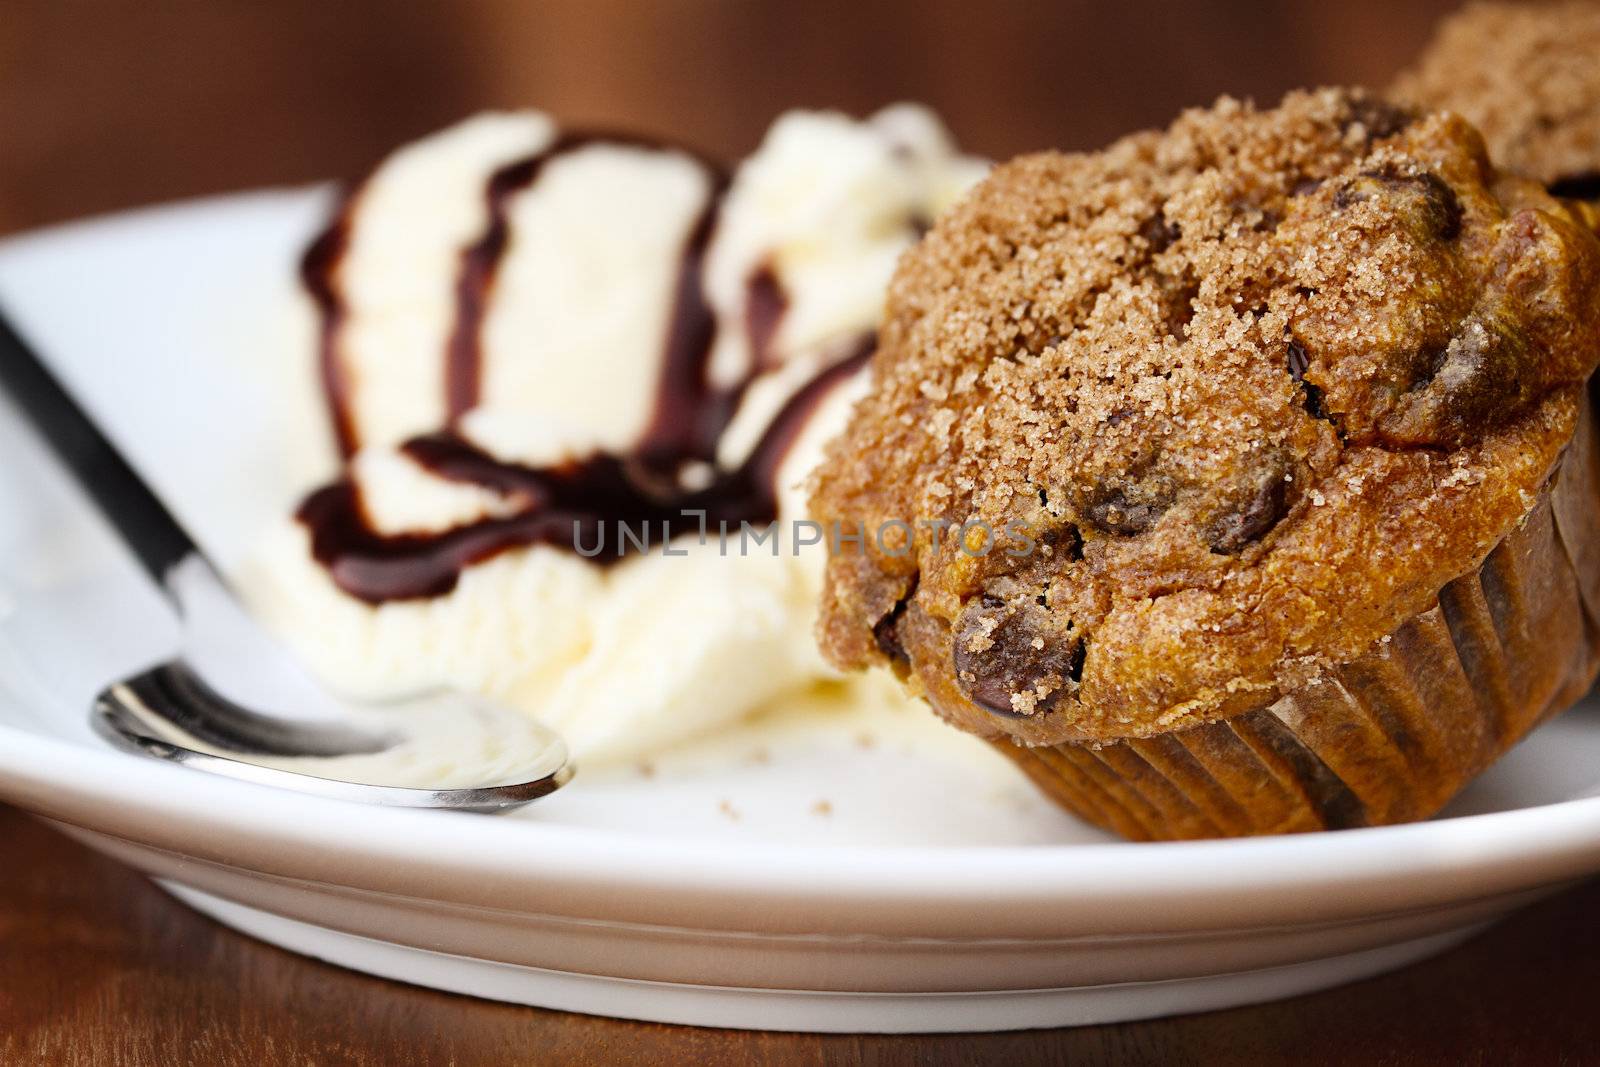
[{"x": 1392, "y": 735}]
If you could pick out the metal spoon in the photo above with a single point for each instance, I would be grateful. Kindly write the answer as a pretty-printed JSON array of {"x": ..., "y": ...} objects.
[{"x": 175, "y": 711}]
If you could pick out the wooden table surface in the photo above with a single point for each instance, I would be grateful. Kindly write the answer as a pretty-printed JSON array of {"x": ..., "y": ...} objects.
[{"x": 97, "y": 966}]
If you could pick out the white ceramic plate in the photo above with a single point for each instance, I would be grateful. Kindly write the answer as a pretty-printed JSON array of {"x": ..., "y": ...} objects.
[{"x": 871, "y": 871}]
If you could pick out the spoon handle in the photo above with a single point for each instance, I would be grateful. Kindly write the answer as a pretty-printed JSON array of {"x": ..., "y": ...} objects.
[{"x": 127, "y": 502}]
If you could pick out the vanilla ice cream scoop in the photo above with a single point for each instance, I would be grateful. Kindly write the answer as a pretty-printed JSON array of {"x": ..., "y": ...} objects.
[{"x": 572, "y": 378}]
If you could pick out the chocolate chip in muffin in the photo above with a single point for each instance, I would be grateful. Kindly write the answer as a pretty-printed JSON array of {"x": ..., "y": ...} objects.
[
  {"x": 1479, "y": 370},
  {"x": 886, "y": 631},
  {"x": 1422, "y": 195},
  {"x": 1120, "y": 511},
  {"x": 1247, "y": 514},
  {"x": 1375, "y": 119},
  {"x": 1009, "y": 662},
  {"x": 1310, "y": 394},
  {"x": 1063, "y": 540},
  {"x": 1158, "y": 233}
]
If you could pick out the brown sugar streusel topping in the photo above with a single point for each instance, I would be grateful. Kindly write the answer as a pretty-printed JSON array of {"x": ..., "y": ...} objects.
[
  {"x": 1528, "y": 76},
  {"x": 1253, "y": 389}
]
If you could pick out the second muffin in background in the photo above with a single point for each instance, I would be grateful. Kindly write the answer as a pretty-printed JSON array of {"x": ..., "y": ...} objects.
[{"x": 1528, "y": 77}]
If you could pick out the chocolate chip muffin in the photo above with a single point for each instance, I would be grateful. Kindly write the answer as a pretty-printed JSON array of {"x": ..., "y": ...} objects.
[
  {"x": 1528, "y": 76},
  {"x": 1227, "y": 477}
]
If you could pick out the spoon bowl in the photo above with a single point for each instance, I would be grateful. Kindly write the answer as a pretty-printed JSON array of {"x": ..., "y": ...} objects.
[{"x": 155, "y": 713}]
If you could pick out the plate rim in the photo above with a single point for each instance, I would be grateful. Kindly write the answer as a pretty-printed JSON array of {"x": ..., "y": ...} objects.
[{"x": 1283, "y": 880}]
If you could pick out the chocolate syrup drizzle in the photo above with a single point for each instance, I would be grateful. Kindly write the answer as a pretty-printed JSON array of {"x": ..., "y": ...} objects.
[
  {"x": 577, "y": 504},
  {"x": 765, "y": 303},
  {"x": 317, "y": 268},
  {"x": 570, "y": 506},
  {"x": 480, "y": 262}
]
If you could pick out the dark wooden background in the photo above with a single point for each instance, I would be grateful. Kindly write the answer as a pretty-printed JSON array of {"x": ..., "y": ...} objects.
[
  {"x": 118, "y": 102},
  {"x": 110, "y": 104}
]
